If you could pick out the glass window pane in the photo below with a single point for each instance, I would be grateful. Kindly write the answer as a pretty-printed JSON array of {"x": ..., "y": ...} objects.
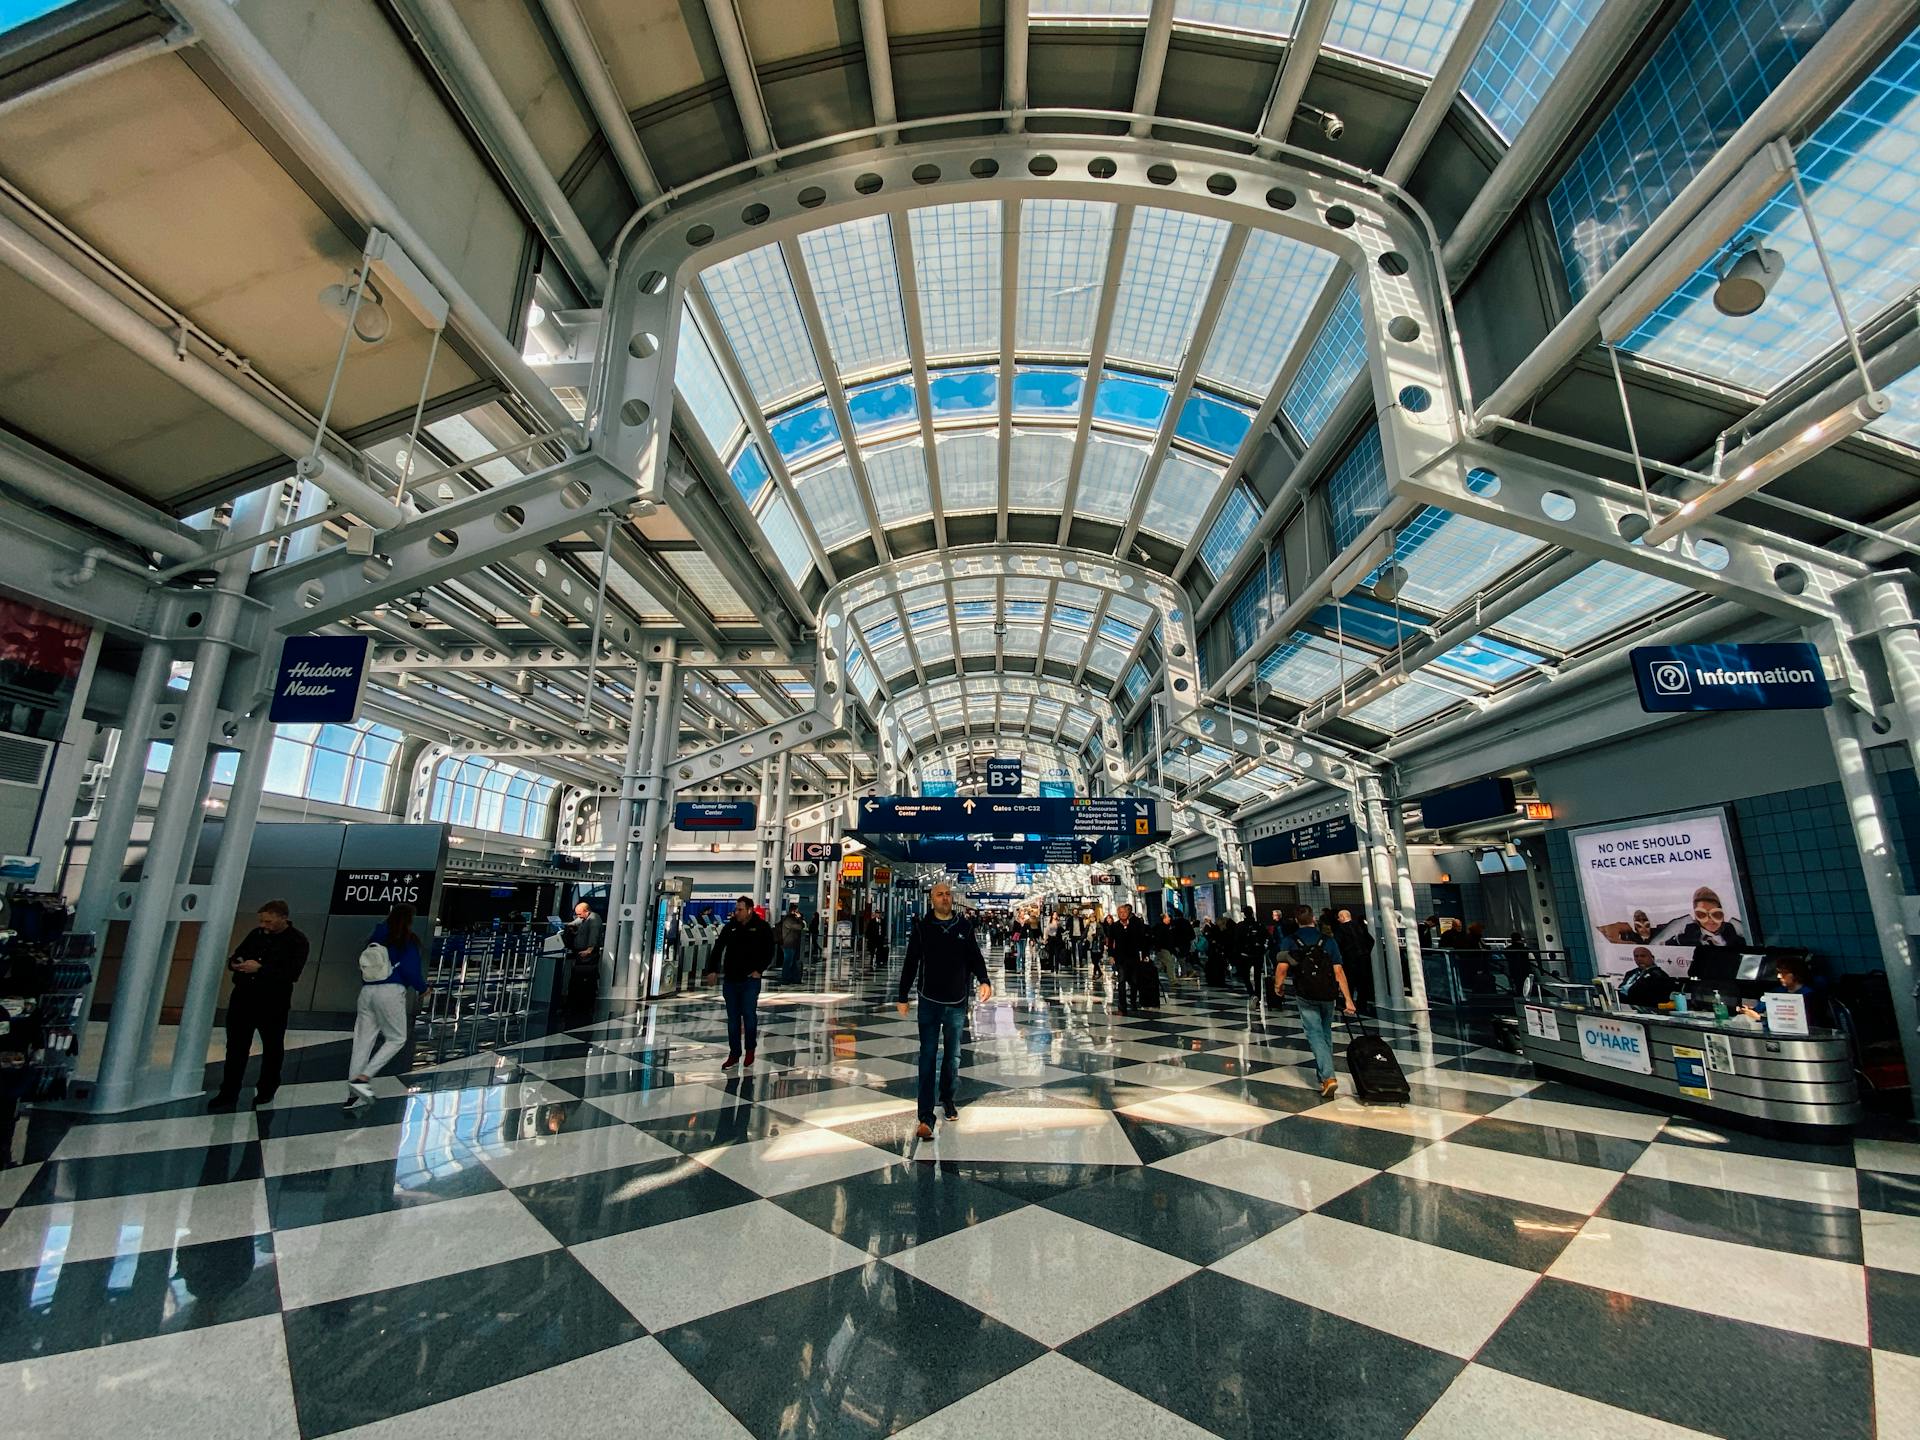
[
  {"x": 327, "y": 780},
  {"x": 1529, "y": 42},
  {"x": 1412, "y": 34},
  {"x": 697, "y": 378},
  {"x": 956, "y": 261},
  {"x": 1171, "y": 259},
  {"x": 1261, "y": 17},
  {"x": 1109, "y": 477},
  {"x": 753, "y": 296},
  {"x": 857, "y": 284},
  {"x": 898, "y": 475},
  {"x": 885, "y": 405},
  {"x": 808, "y": 431},
  {"x": 1236, "y": 521},
  {"x": 1063, "y": 263},
  {"x": 833, "y": 503},
  {"x": 1038, "y": 478},
  {"x": 1339, "y": 353},
  {"x": 287, "y": 766},
  {"x": 969, "y": 472},
  {"x": 1038, "y": 391},
  {"x": 750, "y": 473},
  {"x": 1273, "y": 293},
  {"x": 956, "y": 394},
  {"x": 1131, "y": 401},
  {"x": 1356, "y": 491},
  {"x": 1212, "y": 423},
  {"x": 1181, "y": 493},
  {"x": 783, "y": 533}
]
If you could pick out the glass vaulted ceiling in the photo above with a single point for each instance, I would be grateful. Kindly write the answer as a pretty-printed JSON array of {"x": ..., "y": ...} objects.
[{"x": 796, "y": 363}]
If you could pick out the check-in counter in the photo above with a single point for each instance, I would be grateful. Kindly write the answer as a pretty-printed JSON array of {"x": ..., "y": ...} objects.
[{"x": 1732, "y": 1067}]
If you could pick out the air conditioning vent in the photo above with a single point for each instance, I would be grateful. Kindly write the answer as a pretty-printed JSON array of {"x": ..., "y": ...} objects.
[{"x": 23, "y": 761}]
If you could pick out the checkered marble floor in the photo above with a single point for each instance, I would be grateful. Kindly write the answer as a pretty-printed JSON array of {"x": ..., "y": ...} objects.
[{"x": 1139, "y": 1226}]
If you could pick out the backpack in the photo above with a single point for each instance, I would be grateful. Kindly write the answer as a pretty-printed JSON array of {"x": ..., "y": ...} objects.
[
  {"x": 1311, "y": 971},
  {"x": 375, "y": 964}
]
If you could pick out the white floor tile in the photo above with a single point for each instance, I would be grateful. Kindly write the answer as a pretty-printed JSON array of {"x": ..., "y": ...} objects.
[
  {"x": 555, "y": 1157},
  {"x": 318, "y": 1263},
  {"x": 14, "y": 1182},
  {"x": 1164, "y": 1077},
  {"x": 75, "y": 1230},
  {"x": 1423, "y": 1122},
  {"x": 296, "y": 1154},
  {"x": 1434, "y": 1297},
  {"x": 666, "y": 1103},
  {"x": 591, "y": 1398},
  {"x": 1751, "y": 1174},
  {"x": 1053, "y": 1396},
  {"x": 1741, "y": 1282},
  {"x": 1044, "y": 1274},
  {"x": 1896, "y": 1394},
  {"x": 1895, "y": 1157},
  {"x": 1554, "y": 1183},
  {"x": 187, "y": 1386},
  {"x": 1891, "y": 1242},
  {"x": 1018, "y": 1074},
  {"x": 1206, "y": 1110},
  {"x": 1063, "y": 1134},
  {"x": 806, "y": 1156},
  {"x": 1469, "y": 1080},
  {"x": 669, "y": 1274},
  {"x": 131, "y": 1137},
  {"x": 1483, "y": 1402},
  {"x": 847, "y": 1105},
  {"x": 858, "y": 1070},
  {"x": 1590, "y": 1119},
  {"x": 331, "y": 1092},
  {"x": 1289, "y": 1176}
]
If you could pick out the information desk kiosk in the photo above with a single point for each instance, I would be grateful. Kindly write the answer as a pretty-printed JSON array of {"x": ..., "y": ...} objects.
[{"x": 1734, "y": 1068}]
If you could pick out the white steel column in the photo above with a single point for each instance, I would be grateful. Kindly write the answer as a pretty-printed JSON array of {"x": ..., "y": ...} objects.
[
  {"x": 61, "y": 789},
  {"x": 763, "y": 847},
  {"x": 1407, "y": 906},
  {"x": 618, "y": 827},
  {"x": 1380, "y": 874},
  {"x": 783, "y": 785},
  {"x": 654, "y": 819}
]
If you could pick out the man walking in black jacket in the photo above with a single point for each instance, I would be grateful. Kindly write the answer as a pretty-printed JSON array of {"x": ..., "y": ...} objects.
[
  {"x": 741, "y": 955},
  {"x": 264, "y": 967},
  {"x": 944, "y": 955},
  {"x": 1130, "y": 943}
]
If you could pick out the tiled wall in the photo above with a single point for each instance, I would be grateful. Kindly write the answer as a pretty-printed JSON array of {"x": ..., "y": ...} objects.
[{"x": 1801, "y": 865}]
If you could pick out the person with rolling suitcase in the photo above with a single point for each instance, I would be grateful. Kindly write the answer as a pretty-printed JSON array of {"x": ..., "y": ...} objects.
[{"x": 1313, "y": 963}]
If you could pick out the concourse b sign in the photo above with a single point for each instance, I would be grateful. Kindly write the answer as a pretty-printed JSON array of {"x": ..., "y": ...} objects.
[{"x": 1730, "y": 677}]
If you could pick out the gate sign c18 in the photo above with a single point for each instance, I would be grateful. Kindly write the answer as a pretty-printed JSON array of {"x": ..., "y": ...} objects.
[
  {"x": 375, "y": 892},
  {"x": 1785, "y": 676},
  {"x": 319, "y": 680},
  {"x": 1003, "y": 777}
]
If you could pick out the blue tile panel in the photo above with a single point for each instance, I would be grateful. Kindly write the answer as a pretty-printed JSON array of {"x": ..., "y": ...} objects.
[
  {"x": 1529, "y": 42},
  {"x": 1338, "y": 353},
  {"x": 1707, "y": 77}
]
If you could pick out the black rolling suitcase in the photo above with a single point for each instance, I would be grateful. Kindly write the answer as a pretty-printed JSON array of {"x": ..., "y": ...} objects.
[
  {"x": 1147, "y": 984},
  {"x": 1377, "y": 1076}
]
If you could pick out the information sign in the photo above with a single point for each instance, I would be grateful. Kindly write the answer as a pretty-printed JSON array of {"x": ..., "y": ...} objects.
[
  {"x": 1780, "y": 676},
  {"x": 1335, "y": 835},
  {"x": 714, "y": 815},
  {"x": 1003, "y": 777},
  {"x": 319, "y": 680}
]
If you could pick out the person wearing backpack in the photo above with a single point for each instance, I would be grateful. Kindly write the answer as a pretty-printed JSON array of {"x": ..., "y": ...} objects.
[
  {"x": 390, "y": 966},
  {"x": 793, "y": 934},
  {"x": 1312, "y": 961}
]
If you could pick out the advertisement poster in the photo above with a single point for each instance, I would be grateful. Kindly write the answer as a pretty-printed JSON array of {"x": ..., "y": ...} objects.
[
  {"x": 1720, "y": 1054},
  {"x": 1617, "y": 1044},
  {"x": 1667, "y": 884},
  {"x": 1690, "y": 1070}
]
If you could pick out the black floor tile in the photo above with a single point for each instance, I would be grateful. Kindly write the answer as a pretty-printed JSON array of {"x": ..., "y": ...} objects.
[
  {"x": 580, "y": 1208},
  {"x": 1898, "y": 1194},
  {"x": 862, "y": 1353},
  {"x": 1250, "y": 1365},
  {"x": 1726, "y": 1377},
  {"x": 1831, "y": 1232},
  {"x": 1509, "y": 1232},
  {"x": 1355, "y": 1144},
  {"x": 1195, "y": 1221},
  {"x": 1728, "y": 1140},
  {"x": 1449, "y": 1097},
  {"x": 102, "y": 1176},
  {"x": 374, "y": 1356},
  {"x": 721, "y": 1124},
  {"x": 895, "y": 1209},
  {"x": 1547, "y": 1142},
  {"x": 346, "y": 1192},
  {"x": 1269, "y": 1094},
  {"x": 1893, "y": 1311},
  {"x": 1155, "y": 1140},
  {"x": 77, "y": 1305},
  {"x": 1033, "y": 1181}
]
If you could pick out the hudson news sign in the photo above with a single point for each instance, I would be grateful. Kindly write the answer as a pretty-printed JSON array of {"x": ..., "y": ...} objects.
[{"x": 1730, "y": 677}]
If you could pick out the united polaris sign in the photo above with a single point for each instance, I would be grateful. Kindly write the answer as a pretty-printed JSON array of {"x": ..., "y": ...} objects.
[{"x": 1730, "y": 677}]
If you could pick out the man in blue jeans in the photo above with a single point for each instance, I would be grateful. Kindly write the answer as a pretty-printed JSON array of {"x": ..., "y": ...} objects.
[
  {"x": 944, "y": 955},
  {"x": 741, "y": 955},
  {"x": 1312, "y": 958}
]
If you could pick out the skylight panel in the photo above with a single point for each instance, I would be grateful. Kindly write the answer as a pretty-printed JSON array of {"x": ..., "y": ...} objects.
[
  {"x": 1109, "y": 477},
  {"x": 1134, "y": 612},
  {"x": 969, "y": 472},
  {"x": 1528, "y": 44},
  {"x": 701, "y": 576},
  {"x": 1405, "y": 705},
  {"x": 749, "y": 473},
  {"x": 783, "y": 533},
  {"x": 1448, "y": 557},
  {"x": 1273, "y": 293},
  {"x": 1308, "y": 666},
  {"x": 956, "y": 262},
  {"x": 1259, "y": 17},
  {"x": 1063, "y": 263},
  {"x": 1087, "y": 9},
  {"x": 753, "y": 296},
  {"x": 1041, "y": 460},
  {"x": 1410, "y": 34},
  {"x": 1105, "y": 659},
  {"x": 1231, "y": 528},
  {"x": 857, "y": 283},
  {"x": 1171, "y": 259},
  {"x": 696, "y": 375},
  {"x": 1600, "y": 599},
  {"x": 898, "y": 475},
  {"x": 1339, "y": 353},
  {"x": 833, "y": 503}
]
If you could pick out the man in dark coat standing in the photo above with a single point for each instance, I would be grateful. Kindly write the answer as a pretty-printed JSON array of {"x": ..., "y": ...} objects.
[{"x": 264, "y": 966}]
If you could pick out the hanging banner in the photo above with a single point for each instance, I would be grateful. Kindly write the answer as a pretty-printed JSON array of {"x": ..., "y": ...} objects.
[
  {"x": 1056, "y": 783},
  {"x": 1730, "y": 677},
  {"x": 319, "y": 680},
  {"x": 1665, "y": 885}
]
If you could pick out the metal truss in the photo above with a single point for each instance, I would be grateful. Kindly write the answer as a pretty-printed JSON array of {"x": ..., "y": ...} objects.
[{"x": 406, "y": 659}]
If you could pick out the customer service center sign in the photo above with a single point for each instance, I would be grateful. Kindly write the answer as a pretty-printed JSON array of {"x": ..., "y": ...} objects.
[{"x": 1667, "y": 885}]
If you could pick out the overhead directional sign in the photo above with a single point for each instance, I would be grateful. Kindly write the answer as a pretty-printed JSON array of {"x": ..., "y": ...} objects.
[
  {"x": 713, "y": 815},
  {"x": 1333, "y": 836},
  {"x": 1003, "y": 777},
  {"x": 916, "y": 815},
  {"x": 1001, "y": 849},
  {"x": 1785, "y": 676}
]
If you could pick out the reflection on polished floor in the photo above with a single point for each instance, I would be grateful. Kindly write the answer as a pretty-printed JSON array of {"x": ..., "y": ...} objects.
[{"x": 1140, "y": 1226}]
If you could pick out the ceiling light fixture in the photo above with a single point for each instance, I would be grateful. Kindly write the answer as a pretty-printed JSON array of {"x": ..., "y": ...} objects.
[
  {"x": 1746, "y": 283},
  {"x": 371, "y": 323}
]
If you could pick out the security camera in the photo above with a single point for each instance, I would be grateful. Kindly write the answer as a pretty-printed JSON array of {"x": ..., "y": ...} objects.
[
  {"x": 1331, "y": 125},
  {"x": 582, "y": 729}
]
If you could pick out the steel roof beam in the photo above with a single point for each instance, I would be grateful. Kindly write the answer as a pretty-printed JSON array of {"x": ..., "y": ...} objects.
[
  {"x": 1153, "y": 64},
  {"x": 1302, "y": 50},
  {"x": 873, "y": 40},
  {"x": 603, "y": 97},
  {"x": 1009, "y": 334},
  {"x": 1013, "y": 61},
  {"x": 1096, "y": 358},
  {"x": 903, "y": 261},
  {"x": 742, "y": 80},
  {"x": 1431, "y": 113}
]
